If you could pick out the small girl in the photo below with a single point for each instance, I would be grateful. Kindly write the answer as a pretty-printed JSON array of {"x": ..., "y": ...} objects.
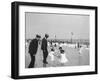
[
  {"x": 63, "y": 58},
  {"x": 81, "y": 50},
  {"x": 51, "y": 54}
]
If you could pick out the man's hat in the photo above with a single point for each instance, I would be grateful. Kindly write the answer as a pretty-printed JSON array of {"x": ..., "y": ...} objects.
[
  {"x": 46, "y": 35},
  {"x": 38, "y": 36}
]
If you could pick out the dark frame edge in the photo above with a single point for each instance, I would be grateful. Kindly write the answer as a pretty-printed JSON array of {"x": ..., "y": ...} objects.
[
  {"x": 14, "y": 41},
  {"x": 54, "y": 5},
  {"x": 96, "y": 40},
  {"x": 56, "y": 75}
]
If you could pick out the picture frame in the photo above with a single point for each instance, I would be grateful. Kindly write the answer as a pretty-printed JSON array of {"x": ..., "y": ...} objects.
[{"x": 19, "y": 12}]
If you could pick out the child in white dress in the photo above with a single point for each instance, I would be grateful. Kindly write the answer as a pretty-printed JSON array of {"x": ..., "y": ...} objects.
[
  {"x": 63, "y": 58},
  {"x": 51, "y": 54},
  {"x": 81, "y": 50}
]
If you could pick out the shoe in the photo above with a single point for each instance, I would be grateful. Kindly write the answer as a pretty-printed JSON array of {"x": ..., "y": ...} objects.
[{"x": 45, "y": 62}]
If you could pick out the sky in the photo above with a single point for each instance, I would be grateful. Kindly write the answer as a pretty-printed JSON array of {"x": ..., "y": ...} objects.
[{"x": 60, "y": 25}]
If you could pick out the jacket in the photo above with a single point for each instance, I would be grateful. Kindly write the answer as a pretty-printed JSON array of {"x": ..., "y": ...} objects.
[{"x": 33, "y": 46}]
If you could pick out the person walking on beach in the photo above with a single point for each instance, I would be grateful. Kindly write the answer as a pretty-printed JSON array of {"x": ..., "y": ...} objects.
[
  {"x": 33, "y": 50},
  {"x": 44, "y": 48}
]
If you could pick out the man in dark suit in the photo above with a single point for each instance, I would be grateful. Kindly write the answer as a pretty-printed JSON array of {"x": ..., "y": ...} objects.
[
  {"x": 44, "y": 48},
  {"x": 33, "y": 50}
]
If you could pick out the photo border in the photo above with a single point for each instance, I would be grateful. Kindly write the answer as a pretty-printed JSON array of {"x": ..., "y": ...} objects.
[{"x": 15, "y": 39}]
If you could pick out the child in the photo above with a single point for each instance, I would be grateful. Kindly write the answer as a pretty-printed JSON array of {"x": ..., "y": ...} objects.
[
  {"x": 63, "y": 58},
  {"x": 51, "y": 54},
  {"x": 81, "y": 50}
]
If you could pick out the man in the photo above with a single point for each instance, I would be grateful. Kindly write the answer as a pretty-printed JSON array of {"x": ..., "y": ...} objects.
[
  {"x": 33, "y": 50},
  {"x": 44, "y": 48}
]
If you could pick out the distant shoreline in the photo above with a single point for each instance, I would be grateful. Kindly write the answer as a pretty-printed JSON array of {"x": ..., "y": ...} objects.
[{"x": 81, "y": 41}]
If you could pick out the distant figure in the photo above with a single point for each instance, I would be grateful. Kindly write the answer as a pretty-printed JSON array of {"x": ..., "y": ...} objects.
[
  {"x": 55, "y": 45},
  {"x": 51, "y": 43},
  {"x": 63, "y": 58},
  {"x": 61, "y": 44},
  {"x": 51, "y": 54},
  {"x": 33, "y": 50},
  {"x": 65, "y": 44},
  {"x": 81, "y": 50},
  {"x": 44, "y": 48},
  {"x": 78, "y": 45}
]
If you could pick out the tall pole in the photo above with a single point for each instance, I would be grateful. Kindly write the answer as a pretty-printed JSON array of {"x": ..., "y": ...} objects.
[
  {"x": 71, "y": 37},
  {"x": 55, "y": 38}
]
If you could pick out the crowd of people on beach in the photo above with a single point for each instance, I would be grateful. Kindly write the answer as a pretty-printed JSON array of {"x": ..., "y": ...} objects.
[{"x": 59, "y": 52}]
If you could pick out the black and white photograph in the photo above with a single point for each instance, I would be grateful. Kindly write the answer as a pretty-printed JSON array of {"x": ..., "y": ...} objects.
[
  {"x": 56, "y": 40},
  {"x": 51, "y": 40}
]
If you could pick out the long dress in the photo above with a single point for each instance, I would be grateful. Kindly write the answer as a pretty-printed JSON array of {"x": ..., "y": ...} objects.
[
  {"x": 81, "y": 50},
  {"x": 63, "y": 58},
  {"x": 51, "y": 55}
]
